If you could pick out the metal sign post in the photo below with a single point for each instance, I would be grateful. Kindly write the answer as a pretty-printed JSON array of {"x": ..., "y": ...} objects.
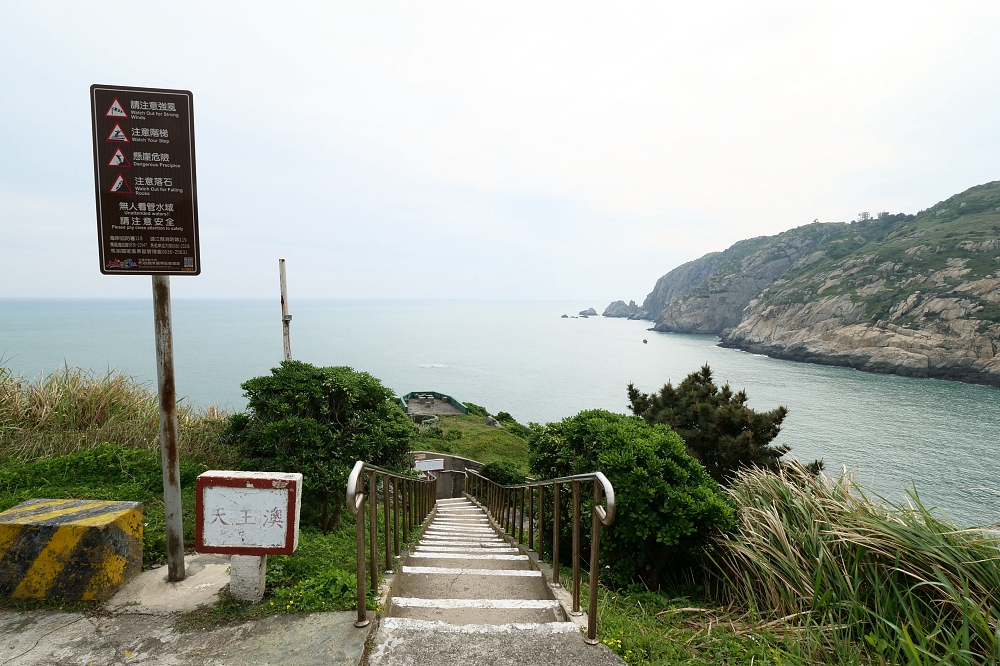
[
  {"x": 286, "y": 319},
  {"x": 147, "y": 224}
]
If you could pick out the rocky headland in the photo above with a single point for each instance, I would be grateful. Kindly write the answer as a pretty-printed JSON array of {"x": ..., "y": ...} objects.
[{"x": 915, "y": 295}]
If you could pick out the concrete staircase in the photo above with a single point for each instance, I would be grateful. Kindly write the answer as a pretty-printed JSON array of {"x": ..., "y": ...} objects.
[{"x": 464, "y": 593}]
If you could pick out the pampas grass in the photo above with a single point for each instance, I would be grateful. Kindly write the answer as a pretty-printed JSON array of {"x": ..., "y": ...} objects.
[
  {"x": 896, "y": 580},
  {"x": 73, "y": 409}
]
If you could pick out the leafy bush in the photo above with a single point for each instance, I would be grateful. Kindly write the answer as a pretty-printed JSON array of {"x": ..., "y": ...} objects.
[
  {"x": 668, "y": 506},
  {"x": 715, "y": 424},
  {"x": 502, "y": 472},
  {"x": 320, "y": 421}
]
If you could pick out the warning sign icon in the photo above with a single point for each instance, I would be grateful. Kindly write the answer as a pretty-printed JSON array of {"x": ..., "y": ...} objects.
[
  {"x": 117, "y": 135},
  {"x": 120, "y": 186},
  {"x": 119, "y": 159},
  {"x": 116, "y": 110}
]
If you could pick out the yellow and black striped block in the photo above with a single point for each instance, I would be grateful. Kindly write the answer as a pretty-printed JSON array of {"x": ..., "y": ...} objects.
[{"x": 72, "y": 549}]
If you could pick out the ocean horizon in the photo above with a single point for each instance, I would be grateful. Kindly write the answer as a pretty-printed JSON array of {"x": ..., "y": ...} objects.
[{"x": 523, "y": 358}]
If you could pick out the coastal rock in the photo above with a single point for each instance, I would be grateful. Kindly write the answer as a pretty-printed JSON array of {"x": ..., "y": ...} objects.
[
  {"x": 620, "y": 309},
  {"x": 590, "y": 312},
  {"x": 833, "y": 331}
]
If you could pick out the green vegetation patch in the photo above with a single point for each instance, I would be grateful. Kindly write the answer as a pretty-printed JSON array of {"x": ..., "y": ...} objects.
[
  {"x": 105, "y": 472},
  {"x": 469, "y": 437}
]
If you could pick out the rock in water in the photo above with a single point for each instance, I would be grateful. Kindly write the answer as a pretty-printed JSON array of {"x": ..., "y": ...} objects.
[
  {"x": 590, "y": 312},
  {"x": 564, "y": 317},
  {"x": 620, "y": 309}
]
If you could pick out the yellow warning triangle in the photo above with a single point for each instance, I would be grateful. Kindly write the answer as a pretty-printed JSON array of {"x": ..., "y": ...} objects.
[
  {"x": 117, "y": 135},
  {"x": 116, "y": 110}
]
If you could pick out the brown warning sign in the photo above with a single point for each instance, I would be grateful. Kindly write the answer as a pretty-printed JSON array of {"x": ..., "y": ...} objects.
[{"x": 147, "y": 216}]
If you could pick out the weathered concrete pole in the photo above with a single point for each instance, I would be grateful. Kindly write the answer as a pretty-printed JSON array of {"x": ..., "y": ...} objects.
[
  {"x": 286, "y": 319},
  {"x": 168, "y": 428}
]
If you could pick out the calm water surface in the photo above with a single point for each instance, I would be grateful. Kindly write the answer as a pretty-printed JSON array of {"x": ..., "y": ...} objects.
[{"x": 521, "y": 357}]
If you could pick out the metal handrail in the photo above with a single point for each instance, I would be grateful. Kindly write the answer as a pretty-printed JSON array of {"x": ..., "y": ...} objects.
[
  {"x": 412, "y": 500},
  {"x": 503, "y": 502}
]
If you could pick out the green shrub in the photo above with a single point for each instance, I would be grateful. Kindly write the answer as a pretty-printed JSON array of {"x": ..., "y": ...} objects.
[
  {"x": 668, "y": 505},
  {"x": 513, "y": 426},
  {"x": 476, "y": 410},
  {"x": 502, "y": 472},
  {"x": 320, "y": 421}
]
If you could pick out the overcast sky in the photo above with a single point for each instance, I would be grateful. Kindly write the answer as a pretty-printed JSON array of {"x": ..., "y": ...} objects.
[{"x": 493, "y": 150}]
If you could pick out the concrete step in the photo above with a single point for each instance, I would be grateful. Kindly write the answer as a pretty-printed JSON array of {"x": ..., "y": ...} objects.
[
  {"x": 477, "y": 611},
  {"x": 456, "y": 541},
  {"x": 469, "y": 560},
  {"x": 455, "y": 583},
  {"x": 434, "y": 548},
  {"x": 402, "y": 641},
  {"x": 464, "y": 595}
]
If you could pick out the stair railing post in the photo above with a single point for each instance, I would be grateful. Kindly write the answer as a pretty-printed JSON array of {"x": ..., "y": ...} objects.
[
  {"x": 576, "y": 549},
  {"x": 373, "y": 528},
  {"x": 555, "y": 535},
  {"x": 509, "y": 511},
  {"x": 595, "y": 546},
  {"x": 395, "y": 517},
  {"x": 531, "y": 518},
  {"x": 541, "y": 521},
  {"x": 402, "y": 511},
  {"x": 520, "y": 519},
  {"x": 359, "y": 519},
  {"x": 388, "y": 523},
  {"x": 503, "y": 508}
]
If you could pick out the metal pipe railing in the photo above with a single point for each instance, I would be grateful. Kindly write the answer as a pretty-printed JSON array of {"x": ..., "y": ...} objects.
[
  {"x": 506, "y": 506},
  {"x": 406, "y": 502}
]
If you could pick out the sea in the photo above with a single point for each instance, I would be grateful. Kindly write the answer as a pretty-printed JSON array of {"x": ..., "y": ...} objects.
[{"x": 935, "y": 438}]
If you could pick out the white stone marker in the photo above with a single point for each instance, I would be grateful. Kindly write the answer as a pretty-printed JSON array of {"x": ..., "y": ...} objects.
[{"x": 248, "y": 515}]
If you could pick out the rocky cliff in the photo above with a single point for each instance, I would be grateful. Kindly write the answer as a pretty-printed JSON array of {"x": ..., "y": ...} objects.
[
  {"x": 915, "y": 295},
  {"x": 741, "y": 273},
  {"x": 920, "y": 297}
]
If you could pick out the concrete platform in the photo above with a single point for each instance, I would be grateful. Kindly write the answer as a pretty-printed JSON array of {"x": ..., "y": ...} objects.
[
  {"x": 150, "y": 593},
  {"x": 45, "y": 638},
  {"x": 135, "y": 627}
]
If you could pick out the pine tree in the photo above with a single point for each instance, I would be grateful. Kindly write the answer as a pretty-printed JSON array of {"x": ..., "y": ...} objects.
[{"x": 715, "y": 424}]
